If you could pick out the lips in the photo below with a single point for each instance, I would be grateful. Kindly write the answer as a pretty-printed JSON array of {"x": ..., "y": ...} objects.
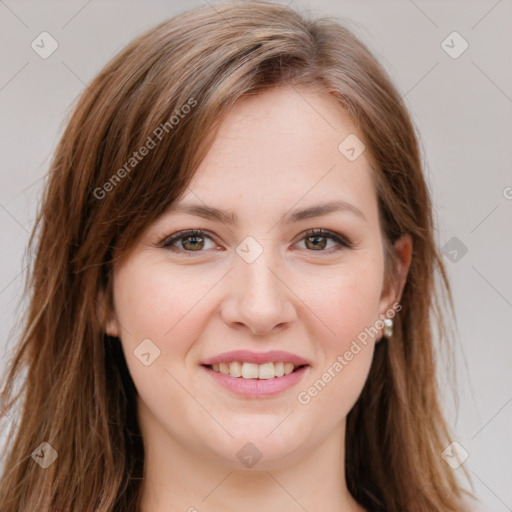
[
  {"x": 256, "y": 387},
  {"x": 256, "y": 374},
  {"x": 259, "y": 358}
]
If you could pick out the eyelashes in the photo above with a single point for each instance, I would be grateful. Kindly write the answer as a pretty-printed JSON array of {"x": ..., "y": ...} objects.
[
  {"x": 169, "y": 242},
  {"x": 196, "y": 239}
]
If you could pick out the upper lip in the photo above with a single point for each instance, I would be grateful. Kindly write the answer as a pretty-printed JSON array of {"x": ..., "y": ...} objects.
[{"x": 247, "y": 356}]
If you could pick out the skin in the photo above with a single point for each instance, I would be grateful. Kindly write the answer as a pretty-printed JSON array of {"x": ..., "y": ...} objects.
[{"x": 274, "y": 152}]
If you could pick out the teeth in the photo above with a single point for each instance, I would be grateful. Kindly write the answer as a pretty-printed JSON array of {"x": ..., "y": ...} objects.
[
  {"x": 279, "y": 369},
  {"x": 266, "y": 371},
  {"x": 235, "y": 369},
  {"x": 254, "y": 371},
  {"x": 250, "y": 371}
]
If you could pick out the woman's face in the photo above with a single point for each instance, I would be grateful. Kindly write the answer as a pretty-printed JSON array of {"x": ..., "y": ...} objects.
[{"x": 256, "y": 280}]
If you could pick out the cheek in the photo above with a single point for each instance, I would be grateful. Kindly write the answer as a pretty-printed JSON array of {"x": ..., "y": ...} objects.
[
  {"x": 350, "y": 311},
  {"x": 162, "y": 306},
  {"x": 169, "y": 308},
  {"x": 348, "y": 301},
  {"x": 152, "y": 302},
  {"x": 336, "y": 384}
]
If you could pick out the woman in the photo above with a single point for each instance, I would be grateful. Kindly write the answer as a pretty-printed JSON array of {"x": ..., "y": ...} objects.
[{"x": 233, "y": 286}]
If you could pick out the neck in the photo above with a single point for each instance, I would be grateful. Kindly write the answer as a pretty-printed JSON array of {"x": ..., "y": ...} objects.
[{"x": 177, "y": 478}]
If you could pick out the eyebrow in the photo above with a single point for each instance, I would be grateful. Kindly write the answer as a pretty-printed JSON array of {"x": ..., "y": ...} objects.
[{"x": 230, "y": 218}]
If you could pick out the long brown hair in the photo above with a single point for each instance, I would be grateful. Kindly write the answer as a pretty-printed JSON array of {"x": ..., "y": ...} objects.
[{"x": 77, "y": 394}]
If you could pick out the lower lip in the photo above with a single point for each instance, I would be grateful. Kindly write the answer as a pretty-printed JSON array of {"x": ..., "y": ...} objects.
[{"x": 257, "y": 388}]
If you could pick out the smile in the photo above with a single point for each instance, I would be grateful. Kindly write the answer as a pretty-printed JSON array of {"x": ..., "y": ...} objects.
[
  {"x": 250, "y": 374},
  {"x": 247, "y": 370}
]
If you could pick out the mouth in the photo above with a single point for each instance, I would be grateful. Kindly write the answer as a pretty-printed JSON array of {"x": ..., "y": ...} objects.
[
  {"x": 254, "y": 371},
  {"x": 263, "y": 376},
  {"x": 249, "y": 374}
]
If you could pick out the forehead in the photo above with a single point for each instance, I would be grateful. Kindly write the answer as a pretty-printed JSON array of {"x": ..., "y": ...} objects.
[{"x": 280, "y": 148}]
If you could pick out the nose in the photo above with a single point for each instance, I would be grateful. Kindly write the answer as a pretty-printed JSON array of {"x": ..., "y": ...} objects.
[{"x": 259, "y": 299}]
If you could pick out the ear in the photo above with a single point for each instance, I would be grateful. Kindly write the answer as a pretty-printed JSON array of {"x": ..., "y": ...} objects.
[
  {"x": 394, "y": 285},
  {"x": 107, "y": 316}
]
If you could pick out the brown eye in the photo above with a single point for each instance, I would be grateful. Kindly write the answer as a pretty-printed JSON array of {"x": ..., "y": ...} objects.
[
  {"x": 192, "y": 243},
  {"x": 317, "y": 240},
  {"x": 196, "y": 241},
  {"x": 188, "y": 241}
]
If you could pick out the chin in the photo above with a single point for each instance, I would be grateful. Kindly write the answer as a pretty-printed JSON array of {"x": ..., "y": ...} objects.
[{"x": 257, "y": 450}]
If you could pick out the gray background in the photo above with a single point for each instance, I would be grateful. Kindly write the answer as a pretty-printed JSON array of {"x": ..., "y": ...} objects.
[{"x": 461, "y": 106}]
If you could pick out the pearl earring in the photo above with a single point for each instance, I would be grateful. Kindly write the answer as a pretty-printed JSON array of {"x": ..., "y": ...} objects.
[{"x": 388, "y": 327}]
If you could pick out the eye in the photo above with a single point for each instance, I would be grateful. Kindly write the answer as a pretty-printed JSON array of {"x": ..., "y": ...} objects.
[
  {"x": 188, "y": 241},
  {"x": 317, "y": 240},
  {"x": 195, "y": 240}
]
